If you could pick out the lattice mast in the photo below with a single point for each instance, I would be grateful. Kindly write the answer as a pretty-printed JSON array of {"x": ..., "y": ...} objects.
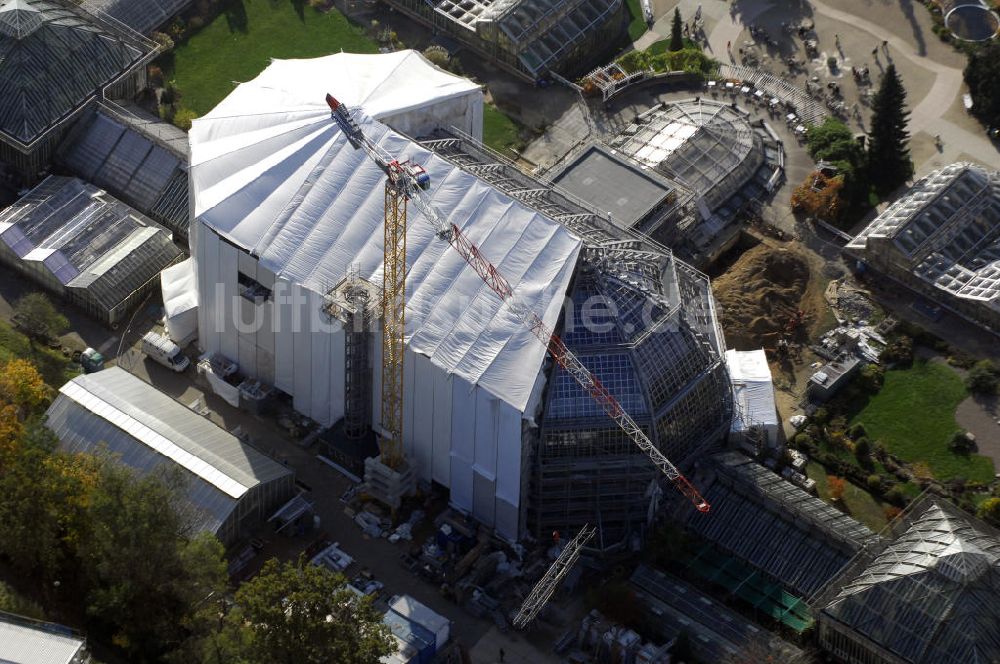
[
  {"x": 413, "y": 181},
  {"x": 393, "y": 320},
  {"x": 549, "y": 583}
]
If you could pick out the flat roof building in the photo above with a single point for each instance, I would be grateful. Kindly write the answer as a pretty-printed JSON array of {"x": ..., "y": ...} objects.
[
  {"x": 27, "y": 641},
  {"x": 232, "y": 487},
  {"x": 942, "y": 239},
  {"x": 56, "y": 60},
  {"x": 631, "y": 194},
  {"x": 77, "y": 241},
  {"x": 753, "y": 396}
]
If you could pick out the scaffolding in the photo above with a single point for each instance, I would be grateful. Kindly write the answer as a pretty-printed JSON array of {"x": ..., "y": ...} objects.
[{"x": 354, "y": 302}]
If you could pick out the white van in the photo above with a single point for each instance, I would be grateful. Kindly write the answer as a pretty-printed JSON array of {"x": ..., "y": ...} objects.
[{"x": 161, "y": 349}]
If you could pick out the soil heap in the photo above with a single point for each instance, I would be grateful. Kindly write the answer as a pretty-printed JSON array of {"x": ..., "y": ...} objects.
[{"x": 759, "y": 295}]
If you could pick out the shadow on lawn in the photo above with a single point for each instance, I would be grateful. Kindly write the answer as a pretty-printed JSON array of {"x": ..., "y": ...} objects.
[{"x": 236, "y": 16}]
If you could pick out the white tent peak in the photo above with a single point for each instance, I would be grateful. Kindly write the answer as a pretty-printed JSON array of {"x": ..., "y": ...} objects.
[{"x": 382, "y": 84}]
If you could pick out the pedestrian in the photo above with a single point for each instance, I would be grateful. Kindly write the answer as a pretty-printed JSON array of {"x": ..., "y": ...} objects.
[
  {"x": 729, "y": 45},
  {"x": 502, "y": 653},
  {"x": 885, "y": 45},
  {"x": 875, "y": 52}
]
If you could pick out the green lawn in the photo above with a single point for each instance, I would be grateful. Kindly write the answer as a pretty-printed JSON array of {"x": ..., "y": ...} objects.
[
  {"x": 914, "y": 416},
  {"x": 637, "y": 24},
  {"x": 500, "y": 132},
  {"x": 55, "y": 368},
  {"x": 859, "y": 503},
  {"x": 241, "y": 41}
]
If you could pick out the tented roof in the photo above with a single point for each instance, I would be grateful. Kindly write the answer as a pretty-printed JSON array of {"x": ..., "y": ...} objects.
[
  {"x": 382, "y": 84},
  {"x": 148, "y": 429},
  {"x": 273, "y": 174},
  {"x": 753, "y": 388},
  {"x": 931, "y": 597},
  {"x": 53, "y": 56}
]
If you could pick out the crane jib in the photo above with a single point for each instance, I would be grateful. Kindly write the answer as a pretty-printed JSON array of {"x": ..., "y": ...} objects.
[{"x": 407, "y": 177}]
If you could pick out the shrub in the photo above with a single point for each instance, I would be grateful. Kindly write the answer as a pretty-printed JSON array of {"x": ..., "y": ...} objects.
[
  {"x": 857, "y": 431},
  {"x": 900, "y": 351},
  {"x": 989, "y": 510},
  {"x": 891, "y": 512},
  {"x": 183, "y": 118},
  {"x": 960, "y": 443},
  {"x": 165, "y": 41},
  {"x": 155, "y": 76},
  {"x": 821, "y": 416},
  {"x": 983, "y": 378},
  {"x": 837, "y": 486},
  {"x": 896, "y": 495},
  {"x": 874, "y": 483},
  {"x": 863, "y": 451}
]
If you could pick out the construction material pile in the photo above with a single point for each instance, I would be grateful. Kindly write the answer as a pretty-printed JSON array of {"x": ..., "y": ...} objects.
[{"x": 760, "y": 297}]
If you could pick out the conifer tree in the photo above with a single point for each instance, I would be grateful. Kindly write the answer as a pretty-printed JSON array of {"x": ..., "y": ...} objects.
[
  {"x": 676, "y": 38},
  {"x": 888, "y": 153}
]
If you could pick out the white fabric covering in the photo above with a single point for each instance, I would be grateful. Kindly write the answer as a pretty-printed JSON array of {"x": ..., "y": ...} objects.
[
  {"x": 280, "y": 181},
  {"x": 753, "y": 390},
  {"x": 180, "y": 301}
]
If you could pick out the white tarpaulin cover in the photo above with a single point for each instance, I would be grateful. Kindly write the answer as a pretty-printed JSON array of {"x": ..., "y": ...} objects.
[
  {"x": 180, "y": 301},
  {"x": 752, "y": 388},
  {"x": 272, "y": 173}
]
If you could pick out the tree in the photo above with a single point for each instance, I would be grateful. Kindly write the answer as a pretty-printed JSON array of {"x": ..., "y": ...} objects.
[
  {"x": 35, "y": 314},
  {"x": 889, "y": 163},
  {"x": 983, "y": 378},
  {"x": 837, "y": 486},
  {"x": 982, "y": 75},
  {"x": 989, "y": 510},
  {"x": 676, "y": 34},
  {"x": 22, "y": 386},
  {"x": 145, "y": 571},
  {"x": 302, "y": 614}
]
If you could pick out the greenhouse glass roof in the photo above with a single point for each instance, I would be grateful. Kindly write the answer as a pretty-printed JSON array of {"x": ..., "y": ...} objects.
[
  {"x": 931, "y": 597},
  {"x": 140, "y": 15},
  {"x": 86, "y": 239},
  {"x": 947, "y": 230},
  {"x": 53, "y": 56},
  {"x": 792, "y": 536},
  {"x": 147, "y": 429}
]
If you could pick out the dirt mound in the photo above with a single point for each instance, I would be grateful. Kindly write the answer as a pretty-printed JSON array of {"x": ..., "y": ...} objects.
[{"x": 760, "y": 294}]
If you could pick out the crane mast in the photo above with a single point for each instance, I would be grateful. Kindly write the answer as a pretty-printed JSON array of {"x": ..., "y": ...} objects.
[
  {"x": 411, "y": 181},
  {"x": 547, "y": 585}
]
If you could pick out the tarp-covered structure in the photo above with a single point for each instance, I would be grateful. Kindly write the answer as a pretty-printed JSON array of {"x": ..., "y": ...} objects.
[
  {"x": 180, "y": 301},
  {"x": 753, "y": 394},
  {"x": 285, "y": 207},
  {"x": 76, "y": 240},
  {"x": 56, "y": 58},
  {"x": 231, "y": 487},
  {"x": 931, "y": 596}
]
